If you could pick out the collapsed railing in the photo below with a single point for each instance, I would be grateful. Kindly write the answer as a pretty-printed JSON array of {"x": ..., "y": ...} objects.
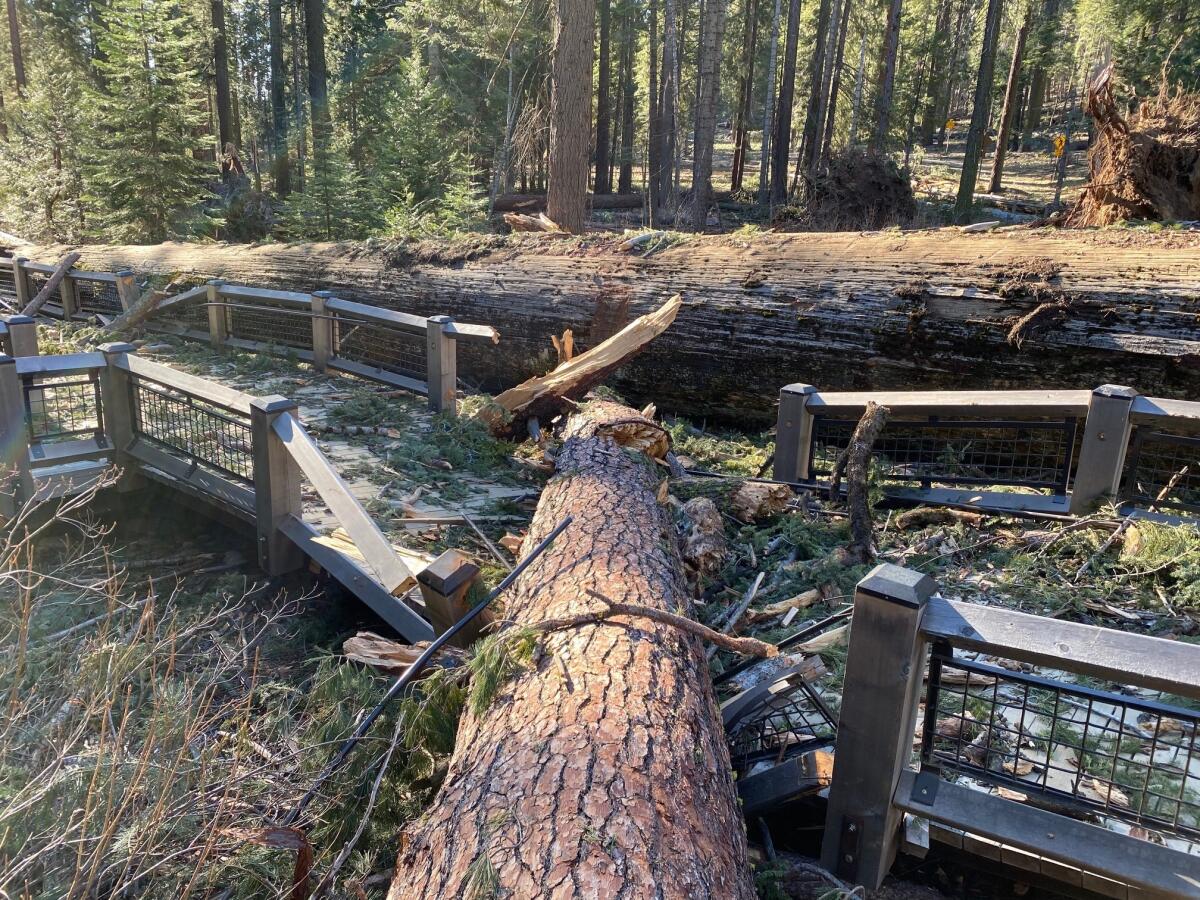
[
  {"x": 1036, "y": 735},
  {"x": 1061, "y": 450},
  {"x": 398, "y": 349},
  {"x": 65, "y": 420}
]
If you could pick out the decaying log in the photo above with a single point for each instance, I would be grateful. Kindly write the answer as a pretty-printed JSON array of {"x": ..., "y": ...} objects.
[
  {"x": 544, "y": 396},
  {"x": 854, "y": 463},
  {"x": 139, "y": 312},
  {"x": 600, "y": 768},
  {"x": 848, "y": 311},
  {"x": 531, "y": 203},
  {"x": 50, "y": 288}
]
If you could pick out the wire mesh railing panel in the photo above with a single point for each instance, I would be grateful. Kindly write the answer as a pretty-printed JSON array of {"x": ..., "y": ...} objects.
[
  {"x": 191, "y": 316},
  {"x": 97, "y": 297},
  {"x": 194, "y": 430},
  {"x": 278, "y": 326},
  {"x": 381, "y": 346},
  {"x": 63, "y": 408},
  {"x": 8, "y": 285},
  {"x": 1033, "y": 454},
  {"x": 793, "y": 718},
  {"x": 1116, "y": 752},
  {"x": 1162, "y": 464},
  {"x": 35, "y": 282}
]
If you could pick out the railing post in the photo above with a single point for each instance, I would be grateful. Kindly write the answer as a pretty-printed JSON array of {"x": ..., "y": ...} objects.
[
  {"x": 127, "y": 290},
  {"x": 23, "y": 335},
  {"x": 1105, "y": 440},
  {"x": 16, "y": 486},
  {"x": 218, "y": 322},
  {"x": 793, "y": 434},
  {"x": 444, "y": 585},
  {"x": 443, "y": 368},
  {"x": 116, "y": 394},
  {"x": 67, "y": 294},
  {"x": 881, "y": 691},
  {"x": 276, "y": 486},
  {"x": 20, "y": 284},
  {"x": 322, "y": 331}
]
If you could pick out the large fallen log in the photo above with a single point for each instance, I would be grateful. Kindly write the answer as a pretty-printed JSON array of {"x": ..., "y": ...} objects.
[
  {"x": 926, "y": 309},
  {"x": 600, "y": 768}
]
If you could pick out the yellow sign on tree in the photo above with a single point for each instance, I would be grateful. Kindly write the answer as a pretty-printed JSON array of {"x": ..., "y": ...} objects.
[
  {"x": 950, "y": 123},
  {"x": 1060, "y": 143}
]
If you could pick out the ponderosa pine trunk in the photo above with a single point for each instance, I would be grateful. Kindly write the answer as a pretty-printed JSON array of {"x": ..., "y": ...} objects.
[
  {"x": 1011, "y": 100},
  {"x": 318, "y": 80},
  {"x": 653, "y": 123},
  {"x": 571, "y": 50},
  {"x": 806, "y": 159},
  {"x": 768, "y": 111},
  {"x": 599, "y": 769},
  {"x": 221, "y": 78},
  {"x": 14, "y": 43},
  {"x": 603, "y": 179},
  {"x": 708, "y": 77},
  {"x": 781, "y": 139},
  {"x": 981, "y": 112},
  {"x": 741, "y": 126},
  {"x": 887, "y": 77},
  {"x": 923, "y": 309},
  {"x": 668, "y": 75},
  {"x": 281, "y": 170},
  {"x": 939, "y": 62},
  {"x": 835, "y": 85},
  {"x": 628, "y": 90}
]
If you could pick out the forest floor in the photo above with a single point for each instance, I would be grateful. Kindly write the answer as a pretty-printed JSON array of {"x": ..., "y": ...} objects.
[{"x": 157, "y": 642}]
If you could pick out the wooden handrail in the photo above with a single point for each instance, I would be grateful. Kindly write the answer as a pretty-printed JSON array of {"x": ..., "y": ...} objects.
[
  {"x": 70, "y": 364},
  {"x": 286, "y": 298},
  {"x": 371, "y": 542},
  {"x": 375, "y": 314},
  {"x": 1183, "y": 415},
  {"x": 208, "y": 391},
  {"x": 967, "y": 403}
]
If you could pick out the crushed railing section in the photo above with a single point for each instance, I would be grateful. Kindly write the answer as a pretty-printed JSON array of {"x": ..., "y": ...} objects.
[
  {"x": 82, "y": 294},
  {"x": 67, "y": 420},
  {"x": 1043, "y": 451},
  {"x": 1056, "y": 747},
  {"x": 398, "y": 349}
]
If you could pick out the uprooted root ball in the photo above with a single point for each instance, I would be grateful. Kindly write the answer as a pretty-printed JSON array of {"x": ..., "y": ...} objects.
[{"x": 860, "y": 191}]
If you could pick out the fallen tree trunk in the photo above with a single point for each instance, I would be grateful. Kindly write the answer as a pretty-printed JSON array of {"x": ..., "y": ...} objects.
[
  {"x": 926, "y": 309},
  {"x": 600, "y": 768},
  {"x": 530, "y": 203}
]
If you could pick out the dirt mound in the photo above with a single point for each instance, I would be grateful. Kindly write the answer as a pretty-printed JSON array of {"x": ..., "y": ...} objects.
[
  {"x": 860, "y": 191},
  {"x": 1143, "y": 167}
]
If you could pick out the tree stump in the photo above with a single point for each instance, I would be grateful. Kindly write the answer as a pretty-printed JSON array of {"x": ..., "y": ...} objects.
[{"x": 599, "y": 770}]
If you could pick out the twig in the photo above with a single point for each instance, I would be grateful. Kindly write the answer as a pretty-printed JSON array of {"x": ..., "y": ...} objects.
[
  {"x": 1168, "y": 488},
  {"x": 492, "y": 548},
  {"x": 1112, "y": 538},
  {"x": 743, "y": 645},
  {"x": 737, "y": 612}
]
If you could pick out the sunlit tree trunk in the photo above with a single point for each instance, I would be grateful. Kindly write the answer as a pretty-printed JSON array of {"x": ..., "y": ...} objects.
[
  {"x": 221, "y": 77},
  {"x": 835, "y": 85},
  {"x": 810, "y": 139},
  {"x": 279, "y": 113},
  {"x": 571, "y": 51},
  {"x": 318, "y": 81},
  {"x": 980, "y": 113},
  {"x": 768, "y": 111},
  {"x": 887, "y": 77},
  {"x": 603, "y": 180},
  {"x": 14, "y": 39},
  {"x": 628, "y": 90},
  {"x": 1011, "y": 96},
  {"x": 782, "y": 138},
  {"x": 741, "y": 128},
  {"x": 708, "y": 76}
]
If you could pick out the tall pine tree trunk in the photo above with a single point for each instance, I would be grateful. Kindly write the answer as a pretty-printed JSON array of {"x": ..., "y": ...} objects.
[
  {"x": 1011, "y": 97},
  {"x": 769, "y": 111},
  {"x": 279, "y": 112},
  {"x": 887, "y": 77},
  {"x": 741, "y": 124},
  {"x": 14, "y": 41},
  {"x": 318, "y": 80},
  {"x": 859, "y": 79},
  {"x": 603, "y": 180},
  {"x": 835, "y": 85},
  {"x": 781, "y": 140},
  {"x": 962, "y": 39},
  {"x": 806, "y": 160},
  {"x": 628, "y": 91},
  {"x": 221, "y": 78},
  {"x": 1033, "y": 108},
  {"x": 668, "y": 74},
  {"x": 938, "y": 63},
  {"x": 571, "y": 50},
  {"x": 708, "y": 77},
  {"x": 980, "y": 112},
  {"x": 297, "y": 93}
]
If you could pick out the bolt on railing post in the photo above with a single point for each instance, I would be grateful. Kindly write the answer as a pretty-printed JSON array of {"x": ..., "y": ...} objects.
[
  {"x": 120, "y": 416},
  {"x": 67, "y": 295},
  {"x": 16, "y": 486},
  {"x": 440, "y": 353},
  {"x": 23, "y": 335},
  {"x": 127, "y": 290},
  {"x": 793, "y": 434},
  {"x": 322, "y": 331},
  {"x": 218, "y": 322},
  {"x": 881, "y": 692},
  {"x": 1102, "y": 451},
  {"x": 20, "y": 283},
  {"x": 276, "y": 486}
]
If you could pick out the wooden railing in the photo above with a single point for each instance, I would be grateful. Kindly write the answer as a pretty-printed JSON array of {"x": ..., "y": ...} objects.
[
  {"x": 66, "y": 420},
  {"x": 18, "y": 336},
  {"x": 82, "y": 294},
  {"x": 402, "y": 350},
  {"x": 1044, "y": 451},
  {"x": 1036, "y": 735}
]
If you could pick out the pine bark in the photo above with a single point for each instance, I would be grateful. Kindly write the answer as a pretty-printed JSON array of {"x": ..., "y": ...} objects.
[
  {"x": 826, "y": 309},
  {"x": 662, "y": 197},
  {"x": 769, "y": 111},
  {"x": 781, "y": 139},
  {"x": 887, "y": 77},
  {"x": 741, "y": 128},
  {"x": 981, "y": 112},
  {"x": 603, "y": 181},
  {"x": 571, "y": 51},
  {"x": 14, "y": 42},
  {"x": 318, "y": 80},
  {"x": 1011, "y": 99},
  {"x": 221, "y": 77},
  {"x": 835, "y": 85},
  {"x": 279, "y": 111},
  {"x": 600, "y": 770},
  {"x": 628, "y": 91},
  {"x": 806, "y": 160},
  {"x": 708, "y": 76},
  {"x": 653, "y": 119}
]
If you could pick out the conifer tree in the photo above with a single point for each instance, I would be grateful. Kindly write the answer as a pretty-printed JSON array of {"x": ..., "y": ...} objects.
[{"x": 145, "y": 181}]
